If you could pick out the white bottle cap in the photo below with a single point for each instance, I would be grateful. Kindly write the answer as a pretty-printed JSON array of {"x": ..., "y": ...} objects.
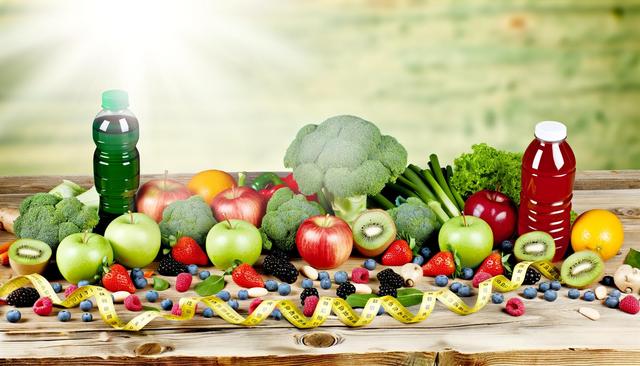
[{"x": 551, "y": 131}]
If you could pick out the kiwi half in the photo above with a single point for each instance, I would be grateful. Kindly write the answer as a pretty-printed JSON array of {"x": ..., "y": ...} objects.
[
  {"x": 535, "y": 246},
  {"x": 373, "y": 232},
  {"x": 27, "y": 256},
  {"x": 582, "y": 268}
]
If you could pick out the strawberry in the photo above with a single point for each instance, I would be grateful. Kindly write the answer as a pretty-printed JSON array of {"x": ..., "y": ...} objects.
[
  {"x": 399, "y": 253},
  {"x": 187, "y": 251},
  {"x": 117, "y": 279},
  {"x": 246, "y": 276},
  {"x": 443, "y": 263},
  {"x": 494, "y": 264}
]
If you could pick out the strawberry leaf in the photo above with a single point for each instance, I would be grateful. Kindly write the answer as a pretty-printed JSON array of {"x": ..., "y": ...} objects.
[{"x": 506, "y": 265}]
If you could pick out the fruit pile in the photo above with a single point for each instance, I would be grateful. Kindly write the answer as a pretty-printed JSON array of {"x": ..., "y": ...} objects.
[{"x": 353, "y": 192}]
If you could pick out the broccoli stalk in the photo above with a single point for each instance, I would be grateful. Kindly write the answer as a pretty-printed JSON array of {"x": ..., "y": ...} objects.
[{"x": 343, "y": 160}]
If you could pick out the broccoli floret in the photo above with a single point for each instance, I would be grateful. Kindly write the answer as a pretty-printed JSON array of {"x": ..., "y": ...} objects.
[
  {"x": 414, "y": 219},
  {"x": 45, "y": 217},
  {"x": 191, "y": 217},
  {"x": 343, "y": 160},
  {"x": 285, "y": 212}
]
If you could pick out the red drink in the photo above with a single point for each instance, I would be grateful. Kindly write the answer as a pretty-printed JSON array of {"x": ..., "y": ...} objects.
[{"x": 548, "y": 173}]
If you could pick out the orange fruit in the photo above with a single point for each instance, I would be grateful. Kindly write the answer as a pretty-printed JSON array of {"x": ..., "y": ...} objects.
[
  {"x": 598, "y": 230},
  {"x": 208, "y": 183}
]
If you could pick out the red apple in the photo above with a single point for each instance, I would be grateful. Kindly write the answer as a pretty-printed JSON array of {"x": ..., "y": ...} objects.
[
  {"x": 497, "y": 210},
  {"x": 157, "y": 194},
  {"x": 240, "y": 203},
  {"x": 325, "y": 242}
]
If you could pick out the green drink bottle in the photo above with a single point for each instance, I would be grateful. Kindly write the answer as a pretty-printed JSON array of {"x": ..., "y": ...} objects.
[{"x": 116, "y": 162}]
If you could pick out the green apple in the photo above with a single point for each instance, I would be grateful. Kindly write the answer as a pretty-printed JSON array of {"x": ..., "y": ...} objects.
[
  {"x": 469, "y": 236},
  {"x": 79, "y": 256},
  {"x": 232, "y": 240},
  {"x": 135, "y": 239}
]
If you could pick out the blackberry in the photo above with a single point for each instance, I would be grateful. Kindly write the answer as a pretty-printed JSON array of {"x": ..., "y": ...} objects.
[
  {"x": 386, "y": 290},
  {"x": 345, "y": 290},
  {"x": 280, "y": 267},
  {"x": 308, "y": 292},
  {"x": 532, "y": 277},
  {"x": 390, "y": 278},
  {"x": 170, "y": 267},
  {"x": 23, "y": 297}
]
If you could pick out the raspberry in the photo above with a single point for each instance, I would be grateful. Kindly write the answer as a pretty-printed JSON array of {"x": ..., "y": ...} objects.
[
  {"x": 254, "y": 304},
  {"x": 310, "y": 305},
  {"x": 183, "y": 282},
  {"x": 175, "y": 309},
  {"x": 629, "y": 305},
  {"x": 43, "y": 306},
  {"x": 359, "y": 275},
  {"x": 69, "y": 290},
  {"x": 132, "y": 303},
  {"x": 308, "y": 292},
  {"x": 479, "y": 278},
  {"x": 514, "y": 307}
]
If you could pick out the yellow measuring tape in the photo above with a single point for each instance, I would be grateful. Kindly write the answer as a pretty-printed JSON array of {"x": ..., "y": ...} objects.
[{"x": 326, "y": 305}]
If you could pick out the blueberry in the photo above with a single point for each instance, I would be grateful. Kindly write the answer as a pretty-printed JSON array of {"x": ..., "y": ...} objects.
[
  {"x": 166, "y": 304},
  {"x": 271, "y": 285},
  {"x": 307, "y": 283},
  {"x": 464, "y": 291},
  {"x": 550, "y": 295},
  {"x": 607, "y": 281},
  {"x": 243, "y": 295},
  {"x": 207, "y": 313},
  {"x": 455, "y": 286},
  {"x": 573, "y": 293},
  {"x": 234, "y": 304},
  {"x": 497, "y": 298},
  {"x": 340, "y": 277},
  {"x": 86, "y": 305},
  {"x": 224, "y": 295},
  {"x": 529, "y": 293},
  {"x": 425, "y": 252},
  {"x": 204, "y": 275},
  {"x": 612, "y": 302},
  {"x": 441, "y": 280},
  {"x": 140, "y": 282},
  {"x": 64, "y": 316},
  {"x": 87, "y": 317},
  {"x": 506, "y": 246},
  {"x": 152, "y": 296},
  {"x": 467, "y": 273},
  {"x": 589, "y": 296},
  {"x": 57, "y": 288},
  {"x": 83, "y": 283},
  {"x": 322, "y": 275},
  {"x": 284, "y": 289},
  {"x": 193, "y": 269},
  {"x": 418, "y": 259},
  {"x": 13, "y": 316},
  {"x": 544, "y": 286},
  {"x": 380, "y": 311},
  {"x": 276, "y": 314},
  {"x": 555, "y": 285},
  {"x": 370, "y": 264},
  {"x": 325, "y": 284},
  {"x": 615, "y": 293},
  {"x": 136, "y": 273}
]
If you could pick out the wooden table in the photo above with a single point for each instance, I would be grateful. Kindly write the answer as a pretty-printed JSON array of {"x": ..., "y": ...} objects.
[{"x": 549, "y": 333}]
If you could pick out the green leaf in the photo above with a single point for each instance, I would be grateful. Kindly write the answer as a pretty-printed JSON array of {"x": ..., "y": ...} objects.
[
  {"x": 359, "y": 300},
  {"x": 633, "y": 258},
  {"x": 160, "y": 284},
  {"x": 149, "y": 308},
  {"x": 211, "y": 286},
  {"x": 406, "y": 296}
]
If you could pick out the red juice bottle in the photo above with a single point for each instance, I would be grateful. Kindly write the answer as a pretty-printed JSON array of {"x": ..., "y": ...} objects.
[{"x": 548, "y": 173}]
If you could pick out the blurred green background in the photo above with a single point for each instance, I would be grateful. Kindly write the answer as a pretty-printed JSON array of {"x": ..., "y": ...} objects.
[{"x": 227, "y": 84}]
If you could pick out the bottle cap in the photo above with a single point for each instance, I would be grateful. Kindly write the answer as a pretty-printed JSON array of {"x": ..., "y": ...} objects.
[
  {"x": 115, "y": 99},
  {"x": 551, "y": 131}
]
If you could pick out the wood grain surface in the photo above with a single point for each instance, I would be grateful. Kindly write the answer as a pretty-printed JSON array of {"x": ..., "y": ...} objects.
[{"x": 549, "y": 333}]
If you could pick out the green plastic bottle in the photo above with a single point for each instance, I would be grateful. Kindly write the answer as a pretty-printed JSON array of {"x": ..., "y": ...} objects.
[{"x": 116, "y": 162}]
